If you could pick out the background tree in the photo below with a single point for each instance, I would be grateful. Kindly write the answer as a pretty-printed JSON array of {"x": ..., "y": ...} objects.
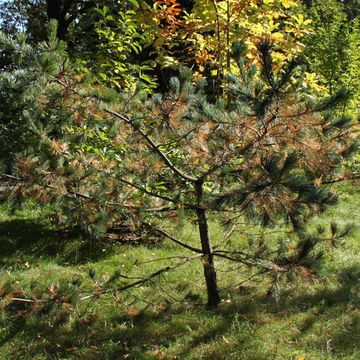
[
  {"x": 209, "y": 29},
  {"x": 327, "y": 46},
  {"x": 27, "y": 16},
  {"x": 352, "y": 74},
  {"x": 332, "y": 49},
  {"x": 122, "y": 37},
  {"x": 351, "y": 7},
  {"x": 33, "y": 16}
]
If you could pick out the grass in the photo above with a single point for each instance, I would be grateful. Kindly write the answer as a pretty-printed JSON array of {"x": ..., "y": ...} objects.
[{"x": 317, "y": 319}]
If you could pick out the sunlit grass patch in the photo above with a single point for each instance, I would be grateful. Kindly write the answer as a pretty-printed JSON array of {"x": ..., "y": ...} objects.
[{"x": 310, "y": 318}]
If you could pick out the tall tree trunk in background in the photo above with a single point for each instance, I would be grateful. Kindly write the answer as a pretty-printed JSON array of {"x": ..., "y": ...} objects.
[{"x": 59, "y": 10}]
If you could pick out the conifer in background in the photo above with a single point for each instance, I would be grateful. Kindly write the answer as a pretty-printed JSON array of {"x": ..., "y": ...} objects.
[{"x": 332, "y": 46}]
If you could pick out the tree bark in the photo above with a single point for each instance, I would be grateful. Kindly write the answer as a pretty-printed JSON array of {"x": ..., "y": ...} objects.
[
  {"x": 60, "y": 10},
  {"x": 208, "y": 257}
]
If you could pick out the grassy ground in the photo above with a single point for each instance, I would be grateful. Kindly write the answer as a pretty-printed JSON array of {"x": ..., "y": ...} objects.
[{"x": 318, "y": 318}]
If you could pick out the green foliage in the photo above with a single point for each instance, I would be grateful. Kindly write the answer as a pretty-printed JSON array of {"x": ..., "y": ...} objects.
[
  {"x": 121, "y": 40},
  {"x": 353, "y": 72},
  {"x": 331, "y": 48},
  {"x": 22, "y": 92},
  {"x": 41, "y": 120}
]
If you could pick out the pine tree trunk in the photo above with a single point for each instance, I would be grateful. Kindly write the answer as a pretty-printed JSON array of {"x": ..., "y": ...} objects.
[{"x": 208, "y": 257}]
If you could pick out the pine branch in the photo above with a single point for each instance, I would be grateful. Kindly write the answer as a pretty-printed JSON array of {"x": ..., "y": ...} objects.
[
  {"x": 141, "y": 281},
  {"x": 234, "y": 259},
  {"x": 179, "y": 242},
  {"x": 153, "y": 146},
  {"x": 75, "y": 194},
  {"x": 213, "y": 169},
  {"x": 227, "y": 235},
  {"x": 145, "y": 191},
  {"x": 355, "y": 176},
  {"x": 338, "y": 98}
]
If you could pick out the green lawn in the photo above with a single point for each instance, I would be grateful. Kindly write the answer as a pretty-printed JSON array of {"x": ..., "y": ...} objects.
[{"x": 315, "y": 318}]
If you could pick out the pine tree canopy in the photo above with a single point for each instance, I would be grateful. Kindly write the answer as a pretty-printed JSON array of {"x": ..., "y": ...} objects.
[{"x": 265, "y": 152}]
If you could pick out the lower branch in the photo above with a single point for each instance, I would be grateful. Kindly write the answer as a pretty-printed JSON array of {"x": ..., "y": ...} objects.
[
  {"x": 141, "y": 281},
  {"x": 179, "y": 242}
]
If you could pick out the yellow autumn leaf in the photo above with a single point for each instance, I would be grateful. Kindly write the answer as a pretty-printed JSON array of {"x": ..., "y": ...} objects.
[
  {"x": 312, "y": 82},
  {"x": 301, "y": 19},
  {"x": 277, "y": 36},
  {"x": 278, "y": 56},
  {"x": 288, "y": 3}
]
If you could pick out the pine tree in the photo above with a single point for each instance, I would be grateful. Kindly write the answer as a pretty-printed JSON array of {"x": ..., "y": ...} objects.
[
  {"x": 265, "y": 154},
  {"x": 22, "y": 89}
]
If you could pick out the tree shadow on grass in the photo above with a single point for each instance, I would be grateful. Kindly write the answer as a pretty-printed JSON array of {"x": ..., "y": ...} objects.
[
  {"x": 148, "y": 334},
  {"x": 25, "y": 240},
  {"x": 339, "y": 309}
]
